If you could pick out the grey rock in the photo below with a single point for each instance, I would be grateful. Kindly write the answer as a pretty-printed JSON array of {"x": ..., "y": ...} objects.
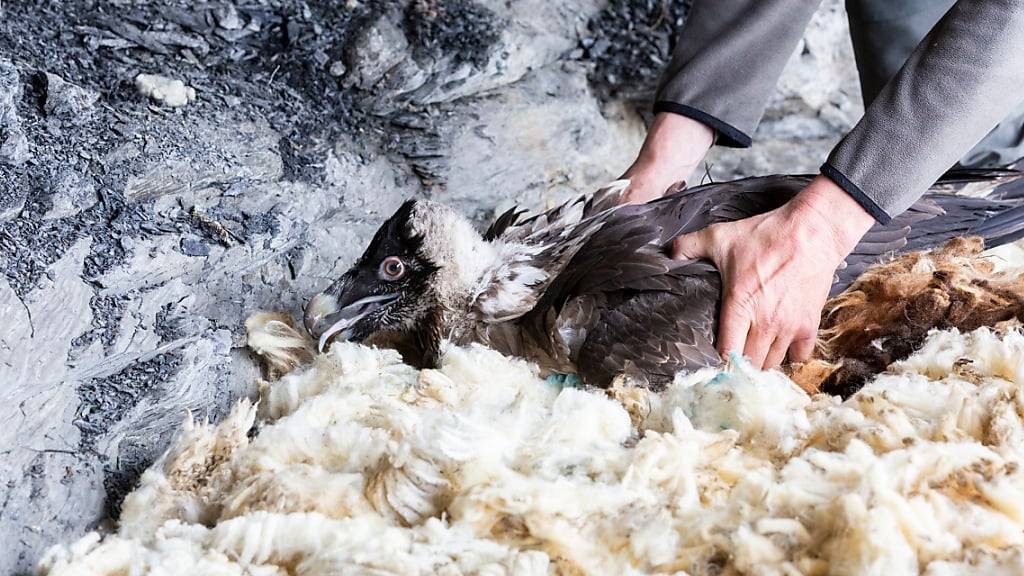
[
  {"x": 10, "y": 90},
  {"x": 244, "y": 152},
  {"x": 122, "y": 153},
  {"x": 193, "y": 247},
  {"x": 67, "y": 101},
  {"x": 501, "y": 149},
  {"x": 532, "y": 34},
  {"x": 227, "y": 17},
  {"x": 39, "y": 408},
  {"x": 14, "y": 146},
  {"x": 375, "y": 50},
  {"x": 11, "y": 203},
  {"x": 72, "y": 193}
]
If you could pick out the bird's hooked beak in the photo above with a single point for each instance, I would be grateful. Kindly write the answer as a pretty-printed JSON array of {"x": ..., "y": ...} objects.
[{"x": 326, "y": 318}]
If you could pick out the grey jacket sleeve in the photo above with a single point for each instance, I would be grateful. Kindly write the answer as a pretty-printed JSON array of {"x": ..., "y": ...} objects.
[
  {"x": 727, "y": 61},
  {"x": 961, "y": 81},
  {"x": 965, "y": 76}
]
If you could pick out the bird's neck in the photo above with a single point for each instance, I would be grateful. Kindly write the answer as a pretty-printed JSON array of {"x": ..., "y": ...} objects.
[
  {"x": 507, "y": 288},
  {"x": 463, "y": 271},
  {"x": 488, "y": 281}
]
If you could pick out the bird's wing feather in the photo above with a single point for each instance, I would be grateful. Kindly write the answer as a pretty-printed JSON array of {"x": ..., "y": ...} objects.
[
  {"x": 625, "y": 249},
  {"x": 653, "y": 334},
  {"x": 694, "y": 209},
  {"x": 611, "y": 255},
  {"x": 936, "y": 218},
  {"x": 547, "y": 243},
  {"x": 545, "y": 227}
]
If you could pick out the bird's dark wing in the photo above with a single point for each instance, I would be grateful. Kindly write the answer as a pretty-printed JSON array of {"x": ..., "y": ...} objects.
[
  {"x": 621, "y": 305},
  {"x": 551, "y": 239},
  {"x": 503, "y": 222},
  {"x": 543, "y": 228},
  {"x": 656, "y": 315},
  {"x": 624, "y": 252},
  {"x": 990, "y": 183},
  {"x": 623, "y": 270},
  {"x": 650, "y": 335},
  {"x": 693, "y": 209}
]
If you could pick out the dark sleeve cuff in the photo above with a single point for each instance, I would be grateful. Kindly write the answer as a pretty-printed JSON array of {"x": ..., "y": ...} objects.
[
  {"x": 728, "y": 135},
  {"x": 854, "y": 191}
]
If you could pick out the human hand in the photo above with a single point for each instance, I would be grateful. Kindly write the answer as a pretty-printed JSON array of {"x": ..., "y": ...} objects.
[
  {"x": 777, "y": 269},
  {"x": 674, "y": 147}
]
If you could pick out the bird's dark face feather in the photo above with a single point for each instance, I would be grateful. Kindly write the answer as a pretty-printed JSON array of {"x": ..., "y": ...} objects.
[{"x": 387, "y": 289}]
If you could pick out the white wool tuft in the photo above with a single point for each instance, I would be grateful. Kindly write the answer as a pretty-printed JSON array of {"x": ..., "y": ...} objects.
[
  {"x": 282, "y": 347},
  {"x": 766, "y": 408},
  {"x": 366, "y": 465}
]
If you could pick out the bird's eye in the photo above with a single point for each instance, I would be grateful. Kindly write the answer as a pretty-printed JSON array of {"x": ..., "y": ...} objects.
[{"x": 392, "y": 268}]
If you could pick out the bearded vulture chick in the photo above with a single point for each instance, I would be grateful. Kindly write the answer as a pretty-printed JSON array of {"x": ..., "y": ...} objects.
[{"x": 588, "y": 288}]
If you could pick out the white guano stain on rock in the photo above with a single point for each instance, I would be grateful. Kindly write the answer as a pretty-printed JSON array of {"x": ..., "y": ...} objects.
[{"x": 164, "y": 90}]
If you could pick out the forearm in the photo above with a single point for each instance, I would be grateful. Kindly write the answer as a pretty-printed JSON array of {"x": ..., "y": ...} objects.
[
  {"x": 959, "y": 83},
  {"x": 674, "y": 147},
  {"x": 728, "y": 58},
  {"x": 724, "y": 68}
]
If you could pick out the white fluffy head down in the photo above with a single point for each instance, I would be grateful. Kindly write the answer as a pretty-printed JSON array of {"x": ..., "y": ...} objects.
[
  {"x": 365, "y": 465},
  {"x": 450, "y": 240}
]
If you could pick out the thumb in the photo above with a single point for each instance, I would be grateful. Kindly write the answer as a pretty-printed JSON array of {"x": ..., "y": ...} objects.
[{"x": 691, "y": 246}]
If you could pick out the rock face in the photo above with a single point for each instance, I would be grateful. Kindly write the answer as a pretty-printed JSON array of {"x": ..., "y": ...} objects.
[
  {"x": 13, "y": 143},
  {"x": 374, "y": 51},
  {"x": 135, "y": 240},
  {"x": 66, "y": 101}
]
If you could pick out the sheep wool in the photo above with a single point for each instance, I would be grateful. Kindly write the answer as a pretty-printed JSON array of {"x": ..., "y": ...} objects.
[{"x": 361, "y": 464}]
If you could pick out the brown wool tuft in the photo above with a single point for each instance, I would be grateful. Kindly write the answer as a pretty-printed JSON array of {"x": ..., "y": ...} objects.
[{"x": 887, "y": 313}]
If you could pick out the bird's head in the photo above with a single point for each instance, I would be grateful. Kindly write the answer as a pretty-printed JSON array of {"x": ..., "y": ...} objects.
[{"x": 423, "y": 258}]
